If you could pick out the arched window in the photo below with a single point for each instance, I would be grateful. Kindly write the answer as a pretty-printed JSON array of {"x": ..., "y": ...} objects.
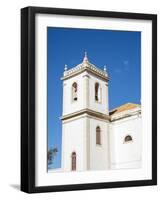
[
  {"x": 74, "y": 91},
  {"x": 128, "y": 138},
  {"x": 97, "y": 92},
  {"x": 73, "y": 161},
  {"x": 98, "y": 135}
]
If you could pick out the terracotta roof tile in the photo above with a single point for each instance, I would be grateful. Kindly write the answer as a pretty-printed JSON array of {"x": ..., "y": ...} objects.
[{"x": 124, "y": 107}]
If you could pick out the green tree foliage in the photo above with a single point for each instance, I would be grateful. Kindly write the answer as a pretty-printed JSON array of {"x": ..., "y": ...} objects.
[{"x": 52, "y": 152}]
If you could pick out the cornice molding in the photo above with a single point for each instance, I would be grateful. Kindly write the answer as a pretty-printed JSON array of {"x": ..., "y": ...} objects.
[
  {"x": 113, "y": 119},
  {"x": 88, "y": 112},
  {"x": 89, "y": 70}
]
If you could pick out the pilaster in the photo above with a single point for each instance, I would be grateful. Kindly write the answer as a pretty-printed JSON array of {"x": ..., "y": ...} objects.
[{"x": 86, "y": 91}]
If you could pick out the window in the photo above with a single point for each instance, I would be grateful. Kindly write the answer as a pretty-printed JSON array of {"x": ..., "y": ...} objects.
[
  {"x": 74, "y": 91},
  {"x": 98, "y": 135},
  {"x": 73, "y": 161},
  {"x": 127, "y": 139},
  {"x": 97, "y": 92}
]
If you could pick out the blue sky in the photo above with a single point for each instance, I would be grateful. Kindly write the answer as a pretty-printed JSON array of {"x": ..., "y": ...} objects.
[{"x": 120, "y": 51}]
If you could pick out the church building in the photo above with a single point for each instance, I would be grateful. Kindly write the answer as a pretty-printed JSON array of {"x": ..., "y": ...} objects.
[{"x": 94, "y": 138}]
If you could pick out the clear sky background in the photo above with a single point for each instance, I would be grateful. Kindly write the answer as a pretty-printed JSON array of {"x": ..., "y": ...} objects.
[{"x": 120, "y": 51}]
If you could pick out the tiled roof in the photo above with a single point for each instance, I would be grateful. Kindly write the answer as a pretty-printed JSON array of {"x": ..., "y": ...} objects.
[{"x": 124, "y": 107}]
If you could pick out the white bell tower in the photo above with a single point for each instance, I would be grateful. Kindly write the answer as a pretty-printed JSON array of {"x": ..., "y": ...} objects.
[{"x": 85, "y": 118}]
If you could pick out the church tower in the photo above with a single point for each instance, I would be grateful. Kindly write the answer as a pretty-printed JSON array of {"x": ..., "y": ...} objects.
[{"x": 85, "y": 118}]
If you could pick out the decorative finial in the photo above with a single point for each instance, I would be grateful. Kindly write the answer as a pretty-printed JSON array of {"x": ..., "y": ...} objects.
[
  {"x": 65, "y": 67},
  {"x": 105, "y": 68},
  {"x": 85, "y": 57}
]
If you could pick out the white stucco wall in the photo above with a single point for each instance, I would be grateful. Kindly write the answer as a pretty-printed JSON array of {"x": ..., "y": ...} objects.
[
  {"x": 126, "y": 155},
  {"x": 74, "y": 140},
  {"x": 70, "y": 106},
  {"x": 101, "y": 106},
  {"x": 79, "y": 133},
  {"x": 99, "y": 154}
]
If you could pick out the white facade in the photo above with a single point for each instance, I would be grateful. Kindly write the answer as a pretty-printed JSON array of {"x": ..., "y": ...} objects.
[
  {"x": 93, "y": 138},
  {"x": 122, "y": 154}
]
